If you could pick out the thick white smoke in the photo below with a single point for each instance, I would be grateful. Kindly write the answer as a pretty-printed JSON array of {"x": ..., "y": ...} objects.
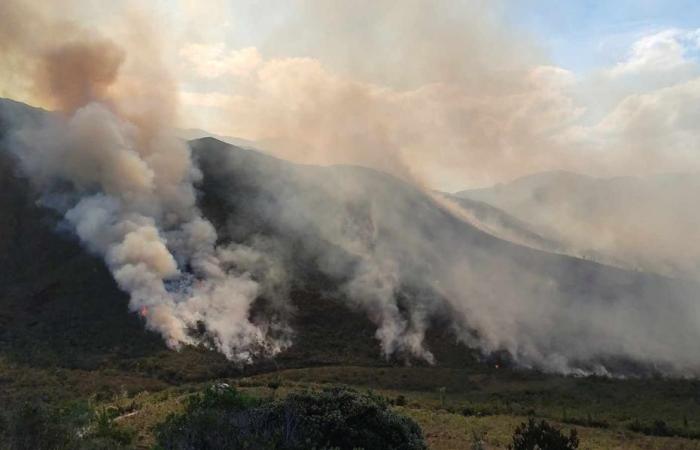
[
  {"x": 375, "y": 288},
  {"x": 109, "y": 161},
  {"x": 132, "y": 201}
]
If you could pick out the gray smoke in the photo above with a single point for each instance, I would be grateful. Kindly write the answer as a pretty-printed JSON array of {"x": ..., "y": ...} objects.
[
  {"x": 411, "y": 263},
  {"x": 135, "y": 207}
]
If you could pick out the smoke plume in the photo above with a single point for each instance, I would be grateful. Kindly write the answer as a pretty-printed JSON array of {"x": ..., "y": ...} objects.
[
  {"x": 124, "y": 182},
  {"x": 435, "y": 95}
]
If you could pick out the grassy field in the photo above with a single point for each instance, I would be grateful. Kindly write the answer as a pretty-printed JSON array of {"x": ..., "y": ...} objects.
[
  {"x": 474, "y": 407},
  {"x": 454, "y": 407}
]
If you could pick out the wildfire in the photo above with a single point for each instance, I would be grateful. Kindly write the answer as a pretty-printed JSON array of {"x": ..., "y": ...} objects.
[{"x": 143, "y": 312}]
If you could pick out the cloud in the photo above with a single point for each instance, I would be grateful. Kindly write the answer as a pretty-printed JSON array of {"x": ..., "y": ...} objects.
[
  {"x": 301, "y": 110},
  {"x": 214, "y": 60},
  {"x": 660, "y": 126},
  {"x": 652, "y": 132},
  {"x": 659, "y": 52}
]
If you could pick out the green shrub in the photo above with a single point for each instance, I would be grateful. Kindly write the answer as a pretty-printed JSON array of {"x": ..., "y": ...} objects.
[
  {"x": 542, "y": 436},
  {"x": 223, "y": 418}
]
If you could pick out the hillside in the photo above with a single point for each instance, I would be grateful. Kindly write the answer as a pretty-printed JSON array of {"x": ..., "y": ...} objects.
[{"x": 326, "y": 214}]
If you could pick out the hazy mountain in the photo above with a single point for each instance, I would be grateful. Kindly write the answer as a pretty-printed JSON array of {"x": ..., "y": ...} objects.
[{"x": 650, "y": 223}]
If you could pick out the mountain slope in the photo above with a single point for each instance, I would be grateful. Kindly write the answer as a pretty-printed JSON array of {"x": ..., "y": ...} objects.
[{"x": 515, "y": 297}]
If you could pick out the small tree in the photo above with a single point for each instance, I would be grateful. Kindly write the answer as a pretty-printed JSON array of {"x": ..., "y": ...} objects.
[
  {"x": 542, "y": 436},
  {"x": 224, "y": 418}
]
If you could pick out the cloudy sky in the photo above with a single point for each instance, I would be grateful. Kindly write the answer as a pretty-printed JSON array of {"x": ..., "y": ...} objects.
[{"x": 452, "y": 94}]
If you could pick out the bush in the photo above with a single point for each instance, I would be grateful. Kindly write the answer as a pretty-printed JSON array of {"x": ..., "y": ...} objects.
[
  {"x": 542, "y": 436},
  {"x": 332, "y": 418}
]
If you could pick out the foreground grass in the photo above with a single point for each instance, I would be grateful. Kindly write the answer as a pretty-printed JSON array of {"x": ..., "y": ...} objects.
[
  {"x": 442, "y": 416},
  {"x": 454, "y": 407}
]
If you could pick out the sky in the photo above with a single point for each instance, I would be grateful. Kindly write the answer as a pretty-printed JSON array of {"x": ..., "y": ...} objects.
[
  {"x": 587, "y": 35},
  {"x": 448, "y": 94}
]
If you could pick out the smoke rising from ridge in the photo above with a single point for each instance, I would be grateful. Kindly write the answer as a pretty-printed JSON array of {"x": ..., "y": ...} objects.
[
  {"x": 113, "y": 167},
  {"x": 441, "y": 92},
  {"x": 410, "y": 264}
]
